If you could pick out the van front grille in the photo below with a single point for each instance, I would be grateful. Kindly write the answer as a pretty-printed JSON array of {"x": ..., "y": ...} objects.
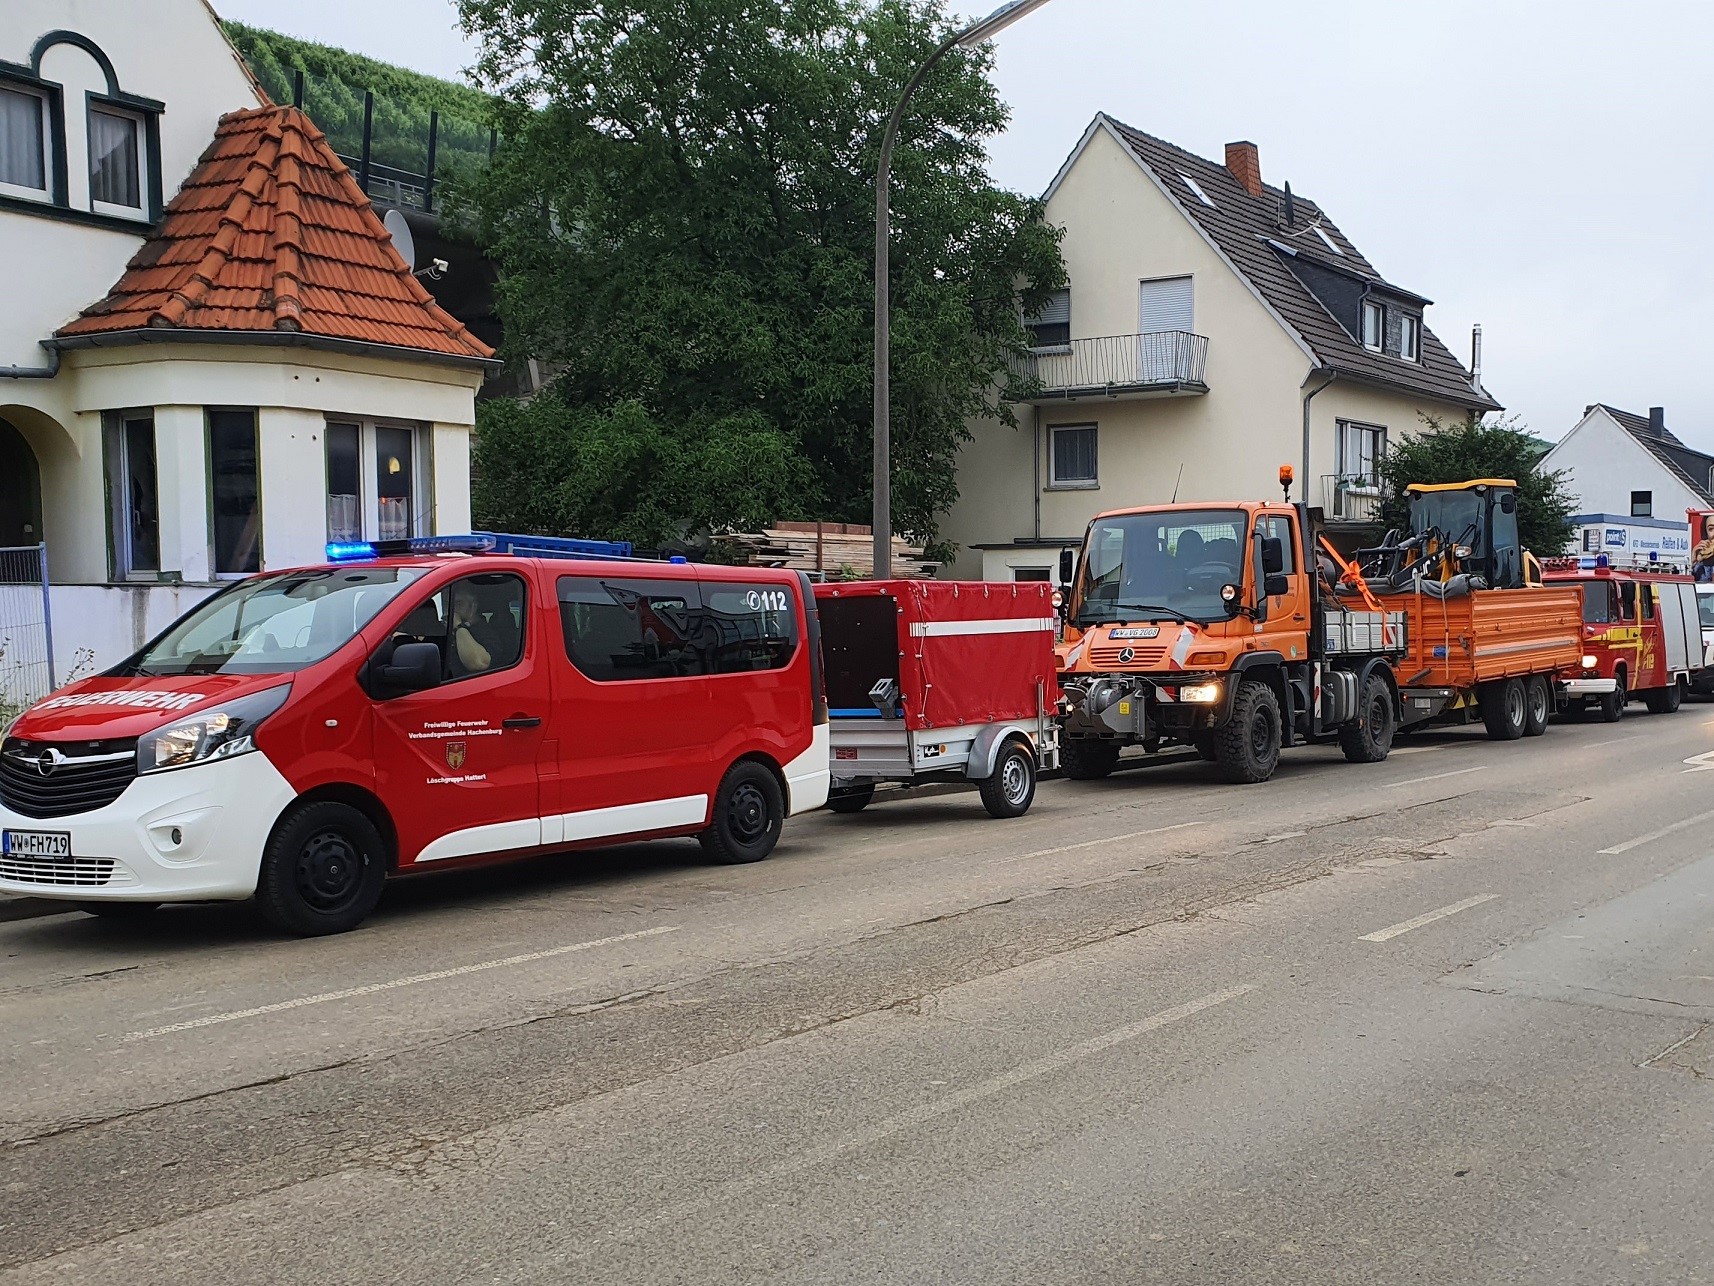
[
  {"x": 1141, "y": 656},
  {"x": 63, "y": 778},
  {"x": 75, "y": 872}
]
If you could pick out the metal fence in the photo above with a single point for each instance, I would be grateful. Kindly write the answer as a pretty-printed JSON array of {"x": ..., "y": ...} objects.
[
  {"x": 26, "y": 628},
  {"x": 1116, "y": 363},
  {"x": 1351, "y": 497}
]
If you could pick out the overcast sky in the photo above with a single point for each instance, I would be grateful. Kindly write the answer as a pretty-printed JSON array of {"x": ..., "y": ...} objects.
[{"x": 1539, "y": 166}]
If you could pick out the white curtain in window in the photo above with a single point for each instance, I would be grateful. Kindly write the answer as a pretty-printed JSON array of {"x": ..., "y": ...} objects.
[
  {"x": 113, "y": 176},
  {"x": 21, "y": 161}
]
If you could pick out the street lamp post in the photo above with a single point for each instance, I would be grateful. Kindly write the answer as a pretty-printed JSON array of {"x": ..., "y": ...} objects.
[{"x": 974, "y": 34}]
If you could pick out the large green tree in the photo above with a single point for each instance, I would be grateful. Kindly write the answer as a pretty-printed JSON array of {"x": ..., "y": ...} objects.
[
  {"x": 682, "y": 209},
  {"x": 1481, "y": 448}
]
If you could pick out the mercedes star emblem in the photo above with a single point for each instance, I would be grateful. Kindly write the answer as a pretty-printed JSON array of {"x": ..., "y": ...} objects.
[{"x": 1127, "y": 655}]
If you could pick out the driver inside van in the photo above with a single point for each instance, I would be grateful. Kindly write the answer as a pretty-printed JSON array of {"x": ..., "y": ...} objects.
[{"x": 472, "y": 638}]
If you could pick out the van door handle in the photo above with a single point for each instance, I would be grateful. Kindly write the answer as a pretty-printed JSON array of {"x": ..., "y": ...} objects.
[{"x": 521, "y": 721}]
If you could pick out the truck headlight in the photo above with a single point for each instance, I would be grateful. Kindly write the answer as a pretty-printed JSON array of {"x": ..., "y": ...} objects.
[
  {"x": 1200, "y": 694},
  {"x": 1588, "y": 663},
  {"x": 219, "y": 733}
]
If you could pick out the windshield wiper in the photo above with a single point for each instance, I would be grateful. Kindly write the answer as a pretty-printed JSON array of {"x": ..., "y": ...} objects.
[{"x": 1126, "y": 612}]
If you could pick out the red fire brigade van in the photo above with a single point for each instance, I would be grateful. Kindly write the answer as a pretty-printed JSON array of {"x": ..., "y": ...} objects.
[
  {"x": 1641, "y": 629},
  {"x": 304, "y": 734}
]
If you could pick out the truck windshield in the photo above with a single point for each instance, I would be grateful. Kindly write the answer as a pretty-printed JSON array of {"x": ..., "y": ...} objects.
[
  {"x": 273, "y": 624},
  {"x": 1164, "y": 565}
]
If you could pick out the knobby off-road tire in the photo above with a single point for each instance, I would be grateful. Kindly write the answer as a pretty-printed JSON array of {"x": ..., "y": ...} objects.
[
  {"x": 1368, "y": 738},
  {"x": 322, "y": 870},
  {"x": 749, "y": 814},
  {"x": 853, "y": 800},
  {"x": 1247, "y": 746},
  {"x": 1612, "y": 705},
  {"x": 1504, "y": 709},
  {"x": 1664, "y": 700},
  {"x": 1538, "y": 704},
  {"x": 1085, "y": 759},
  {"x": 1204, "y": 746},
  {"x": 1011, "y": 789}
]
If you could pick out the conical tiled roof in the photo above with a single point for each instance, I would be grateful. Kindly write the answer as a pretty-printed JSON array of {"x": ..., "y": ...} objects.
[{"x": 271, "y": 233}]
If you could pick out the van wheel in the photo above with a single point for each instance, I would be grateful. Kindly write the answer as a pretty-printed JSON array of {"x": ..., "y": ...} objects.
[
  {"x": 749, "y": 813},
  {"x": 322, "y": 870},
  {"x": 1368, "y": 739},
  {"x": 1504, "y": 709},
  {"x": 1085, "y": 759},
  {"x": 1612, "y": 705},
  {"x": 1538, "y": 704},
  {"x": 852, "y": 800},
  {"x": 1011, "y": 789},
  {"x": 1247, "y": 747},
  {"x": 1664, "y": 700}
]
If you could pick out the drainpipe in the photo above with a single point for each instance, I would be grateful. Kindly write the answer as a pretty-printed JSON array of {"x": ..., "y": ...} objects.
[
  {"x": 35, "y": 372},
  {"x": 1308, "y": 398},
  {"x": 1035, "y": 464}
]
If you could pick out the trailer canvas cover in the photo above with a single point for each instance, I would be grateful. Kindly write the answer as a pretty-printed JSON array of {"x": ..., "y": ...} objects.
[{"x": 967, "y": 652}]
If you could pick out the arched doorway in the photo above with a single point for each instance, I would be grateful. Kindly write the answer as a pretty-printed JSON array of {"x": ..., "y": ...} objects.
[{"x": 20, "y": 490}]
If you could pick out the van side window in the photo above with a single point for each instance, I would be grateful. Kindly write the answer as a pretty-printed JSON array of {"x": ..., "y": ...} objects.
[
  {"x": 1628, "y": 600},
  {"x": 672, "y": 629},
  {"x": 1645, "y": 597},
  {"x": 477, "y": 622}
]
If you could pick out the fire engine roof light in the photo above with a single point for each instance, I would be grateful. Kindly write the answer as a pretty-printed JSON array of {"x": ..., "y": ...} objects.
[
  {"x": 678, "y": 558},
  {"x": 1602, "y": 561},
  {"x": 362, "y": 550},
  {"x": 349, "y": 551}
]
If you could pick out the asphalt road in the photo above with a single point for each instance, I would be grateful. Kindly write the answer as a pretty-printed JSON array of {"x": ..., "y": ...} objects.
[{"x": 1442, "y": 1019}]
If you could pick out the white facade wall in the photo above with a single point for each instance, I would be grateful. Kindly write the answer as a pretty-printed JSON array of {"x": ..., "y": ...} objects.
[{"x": 1606, "y": 464}]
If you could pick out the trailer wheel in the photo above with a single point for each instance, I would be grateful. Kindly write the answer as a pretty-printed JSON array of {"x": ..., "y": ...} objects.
[
  {"x": 1368, "y": 738},
  {"x": 1085, "y": 759},
  {"x": 1664, "y": 700},
  {"x": 322, "y": 870},
  {"x": 1505, "y": 709},
  {"x": 1247, "y": 746},
  {"x": 749, "y": 813},
  {"x": 1538, "y": 704},
  {"x": 1612, "y": 705},
  {"x": 853, "y": 799},
  {"x": 1011, "y": 788}
]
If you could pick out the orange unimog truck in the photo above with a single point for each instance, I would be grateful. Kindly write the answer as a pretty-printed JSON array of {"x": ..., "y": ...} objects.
[{"x": 1237, "y": 629}]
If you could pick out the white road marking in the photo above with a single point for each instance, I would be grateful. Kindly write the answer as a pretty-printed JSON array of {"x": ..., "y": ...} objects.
[
  {"x": 923, "y": 1113},
  {"x": 370, "y": 989},
  {"x": 1412, "y": 781},
  {"x": 1664, "y": 831},
  {"x": 1415, "y": 750},
  {"x": 1613, "y": 741},
  {"x": 1703, "y": 762},
  {"x": 1394, "y": 930},
  {"x": 1091, "y": 843}
]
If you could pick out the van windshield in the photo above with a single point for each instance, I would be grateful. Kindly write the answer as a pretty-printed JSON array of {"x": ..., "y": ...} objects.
[
  {"x": 274, "y": 624},
  {"x": 1162, "y": 566}
]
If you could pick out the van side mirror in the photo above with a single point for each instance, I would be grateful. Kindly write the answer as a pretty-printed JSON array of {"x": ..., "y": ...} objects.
[
  {"x": 1273, "y": 557},
  {"x": 414, "y": 667},
  {"x": 1067, "y": 565}
]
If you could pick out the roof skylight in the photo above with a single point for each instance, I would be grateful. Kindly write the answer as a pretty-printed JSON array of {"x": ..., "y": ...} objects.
[
  {"x": 1328, "y": 241},
  {"x": 1196, "y": 190}
]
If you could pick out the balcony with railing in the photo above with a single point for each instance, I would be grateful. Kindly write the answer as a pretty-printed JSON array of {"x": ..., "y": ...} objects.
[
  {"x": 1351, "y": 497},
  {"x": 1168, "y": 363}
]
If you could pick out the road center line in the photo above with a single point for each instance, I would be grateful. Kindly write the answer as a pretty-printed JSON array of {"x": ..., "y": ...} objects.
[
  {"x": 369, "y": 990},
  {"x": 1664, "y": 831},
  {"x": 1412, "y": 781},
  {"x": 1091, "y": 843},
  {"x": 1405, "y": 926}
]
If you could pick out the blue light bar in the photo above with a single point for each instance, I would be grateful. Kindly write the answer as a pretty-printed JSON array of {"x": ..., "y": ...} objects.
[
  {"x": 357, "y": 551},
  {"x": 349, "y": 551}
]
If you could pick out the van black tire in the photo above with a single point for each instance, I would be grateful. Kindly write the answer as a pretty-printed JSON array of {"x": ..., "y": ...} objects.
[
  {"x": 1504, "y": 709},
  {"x": 853, "y": 799},
  {"x": 1612, "y": 705},
  {"x": 1664, "y": 700},
  {"x": 1085, "y": 759},
  {"x": 749, "y": 814},
  {"x": 1538, "y": 704},
  {"x": 1011, "y": 788},
  {"x": 1368, "y": 738},
  {"x": 1247, "y": 745},
  {"x": 322, "y": 871}
]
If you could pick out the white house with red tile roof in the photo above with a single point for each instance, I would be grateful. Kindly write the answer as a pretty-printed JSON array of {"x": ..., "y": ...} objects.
[{"x": 212, "y": 358}]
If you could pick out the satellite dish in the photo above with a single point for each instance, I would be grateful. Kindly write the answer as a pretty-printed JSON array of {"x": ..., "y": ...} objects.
[{"x": 403, "y": 242}]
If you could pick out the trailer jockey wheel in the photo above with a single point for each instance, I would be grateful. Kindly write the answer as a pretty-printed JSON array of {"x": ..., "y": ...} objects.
[
  {"x": 1538, "y": 704},
  {"x": 1011, "y": 788}
]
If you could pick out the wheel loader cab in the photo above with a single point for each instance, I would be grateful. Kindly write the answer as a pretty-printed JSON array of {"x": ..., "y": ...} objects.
[{"x": 1481, "y": 516}]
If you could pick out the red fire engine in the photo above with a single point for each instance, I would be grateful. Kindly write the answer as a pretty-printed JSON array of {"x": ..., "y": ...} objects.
[{"x": 1640, "y": 628}]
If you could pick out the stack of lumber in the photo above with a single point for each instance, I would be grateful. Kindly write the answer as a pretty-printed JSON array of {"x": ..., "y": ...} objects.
[{"x": 826, "y": 550}]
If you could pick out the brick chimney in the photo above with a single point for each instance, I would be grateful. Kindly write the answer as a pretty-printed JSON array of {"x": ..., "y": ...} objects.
[
  {"x": 1245, "y": 162},
  {"x": 1657, "y": 421}
]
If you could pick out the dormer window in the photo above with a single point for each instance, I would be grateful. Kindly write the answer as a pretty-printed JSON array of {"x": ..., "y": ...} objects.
[
  {"x": 115, "y": 162},
  {"x": 1410, "y": 337},
  {"x": 1374, "y": 326},
  {"x": 23, "y": 142}
]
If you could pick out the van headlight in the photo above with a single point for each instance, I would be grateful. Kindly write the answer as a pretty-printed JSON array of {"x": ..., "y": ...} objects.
[
  {"x": 220, "y": 733},
  {"x": 1200, "y": 694}
]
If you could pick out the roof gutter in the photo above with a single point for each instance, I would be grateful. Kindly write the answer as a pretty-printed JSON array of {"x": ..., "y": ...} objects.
[
  {"x": 35, "y": 372},
  {"x": 270, "y": 339}
]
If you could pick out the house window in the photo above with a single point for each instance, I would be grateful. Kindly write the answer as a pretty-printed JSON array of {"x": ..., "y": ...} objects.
[
  {"x": 1032, "y": 573},
  {"x": 235, "y": 493},
  {"x": 23, "y": 143},
  {"x": 1642, "y": 504},
  {"x": 115, "y": 162},
  {"x": 1051, "y": 327},
  {"x": 1374, "y": 326},
  {"x": 1410, "y": 336},
  {"x": 376, "y": 478},
  {"x": 1361, "y": 447},
  {"x": 1072, "y": 456},
  {"x": 133, "y": 494}
]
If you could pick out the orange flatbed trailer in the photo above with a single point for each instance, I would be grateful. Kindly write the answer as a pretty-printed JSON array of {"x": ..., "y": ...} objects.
[{"x": 1488, "y": 634}]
